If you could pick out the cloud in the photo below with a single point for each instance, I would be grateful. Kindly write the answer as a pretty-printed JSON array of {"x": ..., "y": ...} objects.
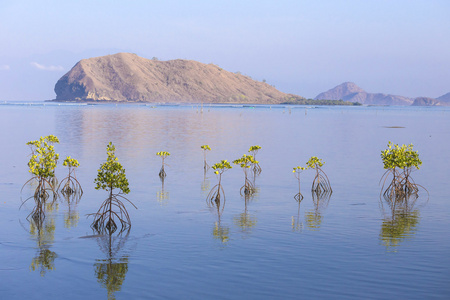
[
  {"x": 4, "y": 68},
  {"x": 47, "y": 68}
]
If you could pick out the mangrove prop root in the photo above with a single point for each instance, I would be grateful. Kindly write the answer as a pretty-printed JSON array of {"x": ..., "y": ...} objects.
[
  {"x": 162, "y": 173},
  {"x": 112, "y": 213},
  {"x": 321, "y": 183},
  {"x": 257, "y": 169},
  {"x": 248, "y": 188},
  {"x": 71, "y": 188},
  {"x": 401, "y": 188},
  {"x": 40, "y": 197},
  {"x": 298, "y": 197},
  {"x": 216, "y": 197}
]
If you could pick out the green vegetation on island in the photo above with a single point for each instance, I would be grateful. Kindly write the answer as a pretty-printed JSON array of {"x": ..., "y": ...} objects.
[{"x": 303, "y": 101}]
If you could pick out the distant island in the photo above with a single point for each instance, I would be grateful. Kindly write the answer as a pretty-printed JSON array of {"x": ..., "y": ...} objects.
[
  {"x": 349, "y": 91},
  {"x": 126, "y": 77}
]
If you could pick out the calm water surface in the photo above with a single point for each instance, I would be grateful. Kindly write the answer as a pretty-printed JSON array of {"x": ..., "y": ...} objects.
[{"x": 345, "y": 247}]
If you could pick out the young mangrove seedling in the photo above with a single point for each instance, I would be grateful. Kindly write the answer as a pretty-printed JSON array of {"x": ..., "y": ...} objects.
[
  {"x": 71, "y": 188},
  {"x": 320, "y": 184},
  {"x": 297, "y": 171},
  {"x": 217, "y": 193},
  {"x": 246, "y": 162},
  {"x": 253, "y": 151},
  {"x": 163, "y": 155},
  {"x": 400, "y": 162},
  {"x": 205, "y": 148},
  {"x": 42, "y": 165},
  {"x": 111, "y": 176}
]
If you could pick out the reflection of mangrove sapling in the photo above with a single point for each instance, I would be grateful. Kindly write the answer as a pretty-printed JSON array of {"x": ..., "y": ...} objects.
[
  {"x": 217, "y": 193},
  {"x": 205, "y": 148},
  {"x": 246, "y": 162},
  {"x": 400, "y": 162},
  {"x": 297, "y": 170},
  {"x": 70, "y": 185},
  {"x": 111, "y": 175},
  {"x": 42, "y": 165},
  {"x": 163, "y": 155},
  {"x": 320, "y": 184},
  {"x": 253, "y": 151}
]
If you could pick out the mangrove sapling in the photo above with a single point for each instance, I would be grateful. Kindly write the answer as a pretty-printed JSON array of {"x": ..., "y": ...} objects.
[
  {"x": 42, "y": 165},
  {"x": 400, "y": 162},
  {"x": 71, "y": 188},
  {"x": 297, "y": 171},
  {"x": 205, "y": 148},
  {"x": 111, "y": 175},
  {"x": 320, "y": 184},
  {"x": 246, "y": 162},
  {"x": 217, "y": 194},
  {"x": 163, "y": 155},
  {"x": 256, "y": 167}
]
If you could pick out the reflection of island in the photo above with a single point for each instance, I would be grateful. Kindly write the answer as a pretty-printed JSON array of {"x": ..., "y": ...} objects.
[
  {"x": 314, "y": 218},
  {"x": 44, "y": 233},
  {"x": 111, "y": 271},
  {"x": 245, "y": 221}
]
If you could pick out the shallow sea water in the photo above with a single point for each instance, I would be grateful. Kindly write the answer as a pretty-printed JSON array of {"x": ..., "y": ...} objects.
[{"x": 264, "y": 248}]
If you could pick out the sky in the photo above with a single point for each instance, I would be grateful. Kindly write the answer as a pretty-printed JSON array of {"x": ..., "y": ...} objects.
[{"x": 399, "y": 47}]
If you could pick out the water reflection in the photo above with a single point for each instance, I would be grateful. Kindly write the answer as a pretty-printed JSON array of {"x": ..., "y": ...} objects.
[
  {"x": 401, "y": 220},
  {"x": 314, "y": 218},
  {"x": 71, "y": 216},
  {"x": 400, "y": 226},
  {"x": 111, "y": 271},
  {"x": 296, "y": 224},
  {"x": 245, "y": 221},
  {"x": 220, "y": 232},
  {"x": 206, "y": 184},
  {"x": 162, "y": 196},
  {"x": 44, "y": 233}
]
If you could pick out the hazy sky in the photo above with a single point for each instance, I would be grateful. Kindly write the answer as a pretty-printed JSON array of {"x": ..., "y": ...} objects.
[{"x": 400, "y": 47}]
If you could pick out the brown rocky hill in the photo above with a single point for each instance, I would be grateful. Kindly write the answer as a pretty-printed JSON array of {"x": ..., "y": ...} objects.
[
  {"x": 444, "y": 98},
  {"x": 426, "y": 101},
  {"x": 130, "y": 78},
  {"x": 348, "y": 91}
]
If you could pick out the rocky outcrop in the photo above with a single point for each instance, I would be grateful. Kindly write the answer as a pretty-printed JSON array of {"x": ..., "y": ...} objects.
[
  {"x": 425, "y": 101},
  {"x": 340, "y": 91},
  {"x": 130, "y": 78},
  {"x": 444, "y": 98},
  {"x": 348, "y": 91}
]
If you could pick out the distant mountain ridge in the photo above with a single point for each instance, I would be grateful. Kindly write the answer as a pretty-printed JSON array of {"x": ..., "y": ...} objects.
[
  {"x": 349, "y": 91},
  {"x": 129, "y": 78}
]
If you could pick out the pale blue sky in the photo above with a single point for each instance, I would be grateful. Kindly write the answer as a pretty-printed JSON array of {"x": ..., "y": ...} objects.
[{"x": 303, "y": 47}]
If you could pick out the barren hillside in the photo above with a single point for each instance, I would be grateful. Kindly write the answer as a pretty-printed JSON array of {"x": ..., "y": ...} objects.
[{"x": 130, "y": 78}]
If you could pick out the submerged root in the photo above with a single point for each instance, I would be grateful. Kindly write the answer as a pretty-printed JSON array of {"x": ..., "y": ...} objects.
[
  {"x": 321, "y": 183},
  {"x": 321, "y": 198},
  {"x": 401, "y": 189},
  {"x": 298, "y": 197},
  {"x": 216, "y": 197},
  {"x": 162, "y": 174},
  {"x": 71, "y": 189},
  {"x": 248, "y": 188},
  {"x": 112, "y": 213}
]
